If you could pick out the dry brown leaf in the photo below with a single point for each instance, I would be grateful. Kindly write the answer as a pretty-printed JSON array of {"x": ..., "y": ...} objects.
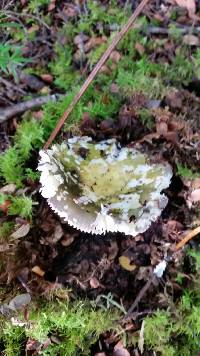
[
  {"x": 139, "y": 48},
  {"x": 191, "y": 40},
  {"x": 21, "y": 232},
  {"x": 94, "y": 283},
  {"x": 8, "y": 189},
  {"x": 190, "y": 5},
  {"x": 4, "y": 247},
  {"x": 115, "y": 56},
  {"x": 194, "y": 197},
  {"x": 37, "y": 270},
  {"x": 52, "y": 5},
  {"x": 120, "y": 350},
  {"x": 67, "y": 240},
  {"x": 5, "y": 206},
  {"x": 48, "y": 78},
  {"x": 125, "y": 263}
]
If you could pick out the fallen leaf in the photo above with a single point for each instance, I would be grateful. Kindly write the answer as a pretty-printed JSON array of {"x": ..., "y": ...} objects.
[
  {"x": 94, "y": 42},
  {"x": 4, "y": 247},
  {"x": 37, "y": 270},
  {"x": 125, "y": 263},
  {"x": 48, "y": 78},
  {"x": 174, "y": 99},
  {"x": 120, "y": 350},
  {"x": 79, "y": 39},
  {"x": 190, "y": 5},
  {"x": 67, "y": 240},
  {"x": 52, "y": 5},
  {"x": 31, "y": 81},
  {"x": 33, "y": 28},
  {"x": 57, "y": 234},
  {"x": 115, "y": 56},
  {"x": 5, "y": 205},
  {"x": 139, "y": 48},
  {"x": 193, "y": 198},
  {"x": 94, "y": 283},
  {"x": 21, "y": 232},
  {"x": 20, "y": 301},
  {"x": 8, "y": 189},
  {"x": 161, "y": 128},
  {"x": 191, "y": 40}
]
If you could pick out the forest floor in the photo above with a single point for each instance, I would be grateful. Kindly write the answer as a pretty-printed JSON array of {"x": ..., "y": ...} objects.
[{"x": 64, "y": 292}]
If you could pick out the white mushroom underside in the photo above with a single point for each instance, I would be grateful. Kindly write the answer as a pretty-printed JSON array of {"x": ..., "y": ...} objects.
[{"x": 102, "y": 222}]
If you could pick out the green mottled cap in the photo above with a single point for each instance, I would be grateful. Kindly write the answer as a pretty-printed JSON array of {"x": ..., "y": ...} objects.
[{"x": 99, "y": 187}]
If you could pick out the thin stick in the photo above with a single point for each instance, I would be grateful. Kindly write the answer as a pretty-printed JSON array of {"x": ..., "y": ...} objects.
[
  {"x": 96, "y": 69},
  {"x": 17, "y": 109},
  {"x": 188, "y": 237},
  {"x": 140, "y": 296}
]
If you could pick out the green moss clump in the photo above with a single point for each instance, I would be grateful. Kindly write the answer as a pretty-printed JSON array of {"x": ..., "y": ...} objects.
[
  {"x": 76, "y": 325},
  {"x": 186, "y": 172},
  {"x": 11, "y": 166},
  {"x": 176, "y": 331},
  {"x": 21, "y": 206},
  {"x": 12, "y": 339},
  {"x": 5, "y": 230}
]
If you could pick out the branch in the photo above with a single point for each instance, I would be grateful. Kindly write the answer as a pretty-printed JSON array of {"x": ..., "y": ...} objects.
[
  {"x": 11, "y": 111},
  {"x": 96, "y": 69}
]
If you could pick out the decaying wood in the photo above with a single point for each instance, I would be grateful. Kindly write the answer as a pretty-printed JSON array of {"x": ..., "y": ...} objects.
[
  {"x": 96, "y": 69},
  {"x": 20, "y": 108}
]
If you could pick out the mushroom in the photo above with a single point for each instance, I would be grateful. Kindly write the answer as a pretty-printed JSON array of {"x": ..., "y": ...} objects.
[{"x": 101, "y": 187}]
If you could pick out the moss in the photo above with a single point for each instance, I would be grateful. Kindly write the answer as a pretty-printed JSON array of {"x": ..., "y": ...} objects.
[
  {"x": 21, "y": 206},
  {"x": 74, "y": 324},
  {"x": 12, "y": 339},
  {"x": 29, "y": 136},
  {"x": 176, "y": 331},
  {"x": 186, "y": 172},
  {"x": 11, "y": 166},
  {"x": 5, "y": 230}
]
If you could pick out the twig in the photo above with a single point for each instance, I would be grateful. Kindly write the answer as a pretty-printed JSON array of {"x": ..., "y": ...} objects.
[
  {"x": 25, "y": 14},
  {"x": 156, "y": 30},
  {"x": 96, "y": 69},
  {"x": 11, "y": 85},
  {"x": 20, "y": 108},
  {"x": 188, "y": 237},
  {"x": 140, "y": 296}
]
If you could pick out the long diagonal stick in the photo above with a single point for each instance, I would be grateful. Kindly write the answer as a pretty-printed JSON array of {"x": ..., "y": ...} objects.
[{"x": 96, "y": 69}]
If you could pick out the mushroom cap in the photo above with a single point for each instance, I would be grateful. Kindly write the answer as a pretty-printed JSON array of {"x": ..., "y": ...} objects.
[{"x": 102, "y": 187}]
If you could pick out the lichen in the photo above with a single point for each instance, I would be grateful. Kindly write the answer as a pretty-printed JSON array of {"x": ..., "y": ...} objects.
[{"x": 100, "y": 187}]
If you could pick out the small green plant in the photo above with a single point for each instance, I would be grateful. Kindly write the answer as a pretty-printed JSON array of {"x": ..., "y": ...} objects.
[
  {"x": 5, "y": 230},
  {"x": 62, "y": 69},
  {"x": 35, "y": 5},
  {"x": 186, "y": 172},
  {"x": 11, "y": 166},
  {"x": 21, "y": 206},
  {"x": 146, "y": 118},
  {"x": 180, "y": 71},
  {"x": 10, "y": 59},
  {"x": 29, "y": 136},
  {"x": 175, "y": 32},
  {"x": 12, "y": 339}
]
